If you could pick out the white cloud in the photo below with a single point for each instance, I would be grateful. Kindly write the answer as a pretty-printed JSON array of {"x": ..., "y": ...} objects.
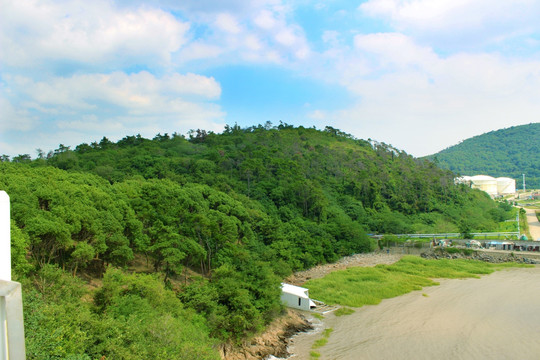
[
  {"x": 73, "y": 109},
  {"x": 68, "y": 36},
  {"x": 318, "y": 115},
  {"x": 415, "y": 10},
  {"x": 253, "y": 42},
  {"x": 14, "y": 119},
  {"x": 406, "y": 91},
  {"x": 464, "y": 21},
  {"x": 228, "y": 23},
  {"x": 394, "y": 49},
  {"x": 265, "y": 20},
  {"x": 440, "y": 13},
  {"x": 286, "y": 37},
  {"x": 94, "y": 33},
  {"x": 330, "y": 36},
  {"x": 260, "y": 32},
  {"x": 135, "y": 91}
]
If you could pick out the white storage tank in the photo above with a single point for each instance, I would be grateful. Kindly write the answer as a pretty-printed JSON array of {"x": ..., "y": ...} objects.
[
  {"x": 485, "y": 183},
  {"x": 506, "y": 186}
]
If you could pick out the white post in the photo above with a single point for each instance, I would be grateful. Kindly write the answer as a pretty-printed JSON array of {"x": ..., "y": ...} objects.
[
  {"x": 5, "y": 238},
  {"x": 5, "y": 267},
  {"x": 3, "y": 329}
]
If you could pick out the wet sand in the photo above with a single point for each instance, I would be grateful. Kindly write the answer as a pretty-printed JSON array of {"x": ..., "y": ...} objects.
[{"x": 495, "y": 317}]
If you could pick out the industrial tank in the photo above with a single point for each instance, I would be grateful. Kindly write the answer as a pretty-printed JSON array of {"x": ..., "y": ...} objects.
[
  {"x": 485, "y": 183},
  {"x": 506, "y": 186}
]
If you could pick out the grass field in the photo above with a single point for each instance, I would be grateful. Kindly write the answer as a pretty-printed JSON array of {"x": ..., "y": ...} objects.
[{"x": 358, "y": 286}]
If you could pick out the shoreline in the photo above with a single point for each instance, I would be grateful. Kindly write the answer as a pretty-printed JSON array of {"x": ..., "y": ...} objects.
[
  {"x": 274, "y": 342},
  {"x": 279, "y": 339}
]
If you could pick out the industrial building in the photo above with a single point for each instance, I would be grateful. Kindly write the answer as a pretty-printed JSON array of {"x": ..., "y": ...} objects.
[{"x": 493, "y": 186}]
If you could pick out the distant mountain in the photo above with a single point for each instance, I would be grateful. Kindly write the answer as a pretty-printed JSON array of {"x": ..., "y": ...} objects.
[{"x": 507, "y": 152}]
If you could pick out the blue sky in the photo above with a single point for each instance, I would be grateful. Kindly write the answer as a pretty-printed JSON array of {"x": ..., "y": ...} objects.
[{"x": 421, "y": 75}]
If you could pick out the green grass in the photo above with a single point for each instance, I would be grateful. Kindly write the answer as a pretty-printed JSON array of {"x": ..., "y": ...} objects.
[
  {"x": 453, "y": 250},
  {"x": 318, "y": 316},
  {"x": 360, "y": 286},
  {"x": 344, "y": 311},
  {"x": 314, "y": 354},
  {"x": 322, "y": 341}
]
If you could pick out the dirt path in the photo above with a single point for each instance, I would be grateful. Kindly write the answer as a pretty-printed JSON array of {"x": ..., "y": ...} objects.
[
  {"x": 370, "y": 259},
  {"x": 534, "y": 224}
]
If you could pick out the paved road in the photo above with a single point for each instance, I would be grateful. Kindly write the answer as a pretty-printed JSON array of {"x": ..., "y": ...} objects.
[{"x": 534, "y": 224}]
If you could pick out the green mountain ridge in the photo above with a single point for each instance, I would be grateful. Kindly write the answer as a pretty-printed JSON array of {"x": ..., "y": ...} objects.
[{"x": 509, "y": 152}]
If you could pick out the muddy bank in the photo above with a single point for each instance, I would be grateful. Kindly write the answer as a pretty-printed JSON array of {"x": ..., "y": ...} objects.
[{"x": 274, "y": 341}]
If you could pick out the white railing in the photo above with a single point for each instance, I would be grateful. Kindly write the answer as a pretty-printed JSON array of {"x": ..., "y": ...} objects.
[
  {"x": 454, "y": 235},
  {"x": 11, "y": 308}
]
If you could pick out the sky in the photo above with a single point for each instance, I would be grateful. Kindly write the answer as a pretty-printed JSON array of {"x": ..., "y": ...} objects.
[{"x": 420, "y": 75}]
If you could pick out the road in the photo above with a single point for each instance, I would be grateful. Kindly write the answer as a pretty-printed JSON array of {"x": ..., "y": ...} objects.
[{"x": 534, "y": 224}]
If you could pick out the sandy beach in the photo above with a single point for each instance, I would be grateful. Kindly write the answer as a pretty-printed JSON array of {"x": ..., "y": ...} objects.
[{"x": 495, "y": 317}]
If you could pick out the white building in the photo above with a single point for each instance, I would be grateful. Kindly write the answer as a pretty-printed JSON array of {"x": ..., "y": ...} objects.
[{"x": 296, "y": 297}]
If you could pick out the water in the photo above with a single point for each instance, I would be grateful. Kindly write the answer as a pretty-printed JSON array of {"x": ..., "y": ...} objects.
[{"x": 495, "y": 317}]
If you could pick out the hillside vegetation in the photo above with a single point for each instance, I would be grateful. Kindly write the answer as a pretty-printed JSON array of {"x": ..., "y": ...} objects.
[
  {"x": 218, "y": 219},
  {"x": 508, "y": 152}
]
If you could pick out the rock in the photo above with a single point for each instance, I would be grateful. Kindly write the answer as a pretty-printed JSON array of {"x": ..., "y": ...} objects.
[{"x": 273, "y": 342}]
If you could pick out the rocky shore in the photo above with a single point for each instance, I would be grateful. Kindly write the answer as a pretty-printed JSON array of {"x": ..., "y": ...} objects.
[
  {"x": 273, "y": 342},
  {"x": 491, "y": 257}
]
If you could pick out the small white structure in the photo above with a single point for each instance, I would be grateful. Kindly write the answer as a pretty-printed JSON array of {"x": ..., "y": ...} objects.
[
  {"x": 296, "y": 297},
  {"x": 506, "y": 186}
]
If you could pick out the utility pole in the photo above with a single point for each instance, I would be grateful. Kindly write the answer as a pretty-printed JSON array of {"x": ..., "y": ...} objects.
[{"x": 524, "y": 183}]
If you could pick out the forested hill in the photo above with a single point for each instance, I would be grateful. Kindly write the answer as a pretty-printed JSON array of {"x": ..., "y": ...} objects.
[
  {"x": 217, "y": 219},
  {"x": 507, "y": 152}
]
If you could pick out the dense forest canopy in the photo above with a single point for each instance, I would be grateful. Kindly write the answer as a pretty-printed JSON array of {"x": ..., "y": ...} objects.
[
  {"x": 509, "y": 152},
  {"x": 219, "y": 220}
]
